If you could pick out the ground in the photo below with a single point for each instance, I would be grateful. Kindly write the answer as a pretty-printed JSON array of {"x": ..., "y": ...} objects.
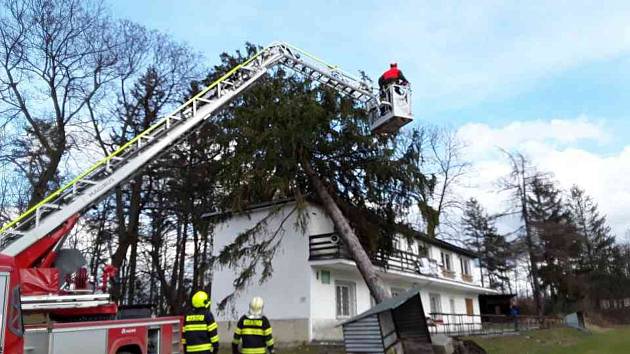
[
  {"x": 555, "y": 341},
  {"x": 300, "y": 350},
  {"x": 561, "y": 341}
]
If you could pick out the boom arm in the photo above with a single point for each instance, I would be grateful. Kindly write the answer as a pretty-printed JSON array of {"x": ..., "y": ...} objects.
[{"x": 86, "y": 189}]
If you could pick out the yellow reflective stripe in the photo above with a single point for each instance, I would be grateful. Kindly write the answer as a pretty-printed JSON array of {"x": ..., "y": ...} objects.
[
  {"x": 214, "y": 339},
  {"x": 237, "y": 331},
  {"x": 267, "y": 331},
  {"x": 252, "y": 323},
  {"x": 183, "y": 340},
  {"x": 269, "y": 342},
  {"x": 213, "y": 326},
  {"x": 236, "y": 341},
  {"x": 198, "y": 347},
  {"x": 193, "y": 318},
  {"x": 195, "y": 327},
  {"x": 253, "y": 350},
  {"x": 253, "y": 332}
]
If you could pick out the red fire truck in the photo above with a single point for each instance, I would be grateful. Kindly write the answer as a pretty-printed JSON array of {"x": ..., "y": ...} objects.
[{"x": 48, "y": 285}]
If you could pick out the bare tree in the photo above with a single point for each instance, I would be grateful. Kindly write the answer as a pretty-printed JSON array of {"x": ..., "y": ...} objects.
[
  {"x": 519, "y": 184},
  {"x": 443, "y": 157},
  {"x": 55, "y": 56},
  {"x": 153, "y": 77}
]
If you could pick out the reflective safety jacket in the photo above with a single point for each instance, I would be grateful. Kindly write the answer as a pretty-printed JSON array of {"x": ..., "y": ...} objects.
[
  {"x": 253, "y": 335},
  {"x": 200, "y": 333}
]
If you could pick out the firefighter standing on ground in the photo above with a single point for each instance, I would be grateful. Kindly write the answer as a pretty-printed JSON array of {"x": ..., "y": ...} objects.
[
  {"x": 200, "y": 334},
  {"x": 253, "y": 331}
]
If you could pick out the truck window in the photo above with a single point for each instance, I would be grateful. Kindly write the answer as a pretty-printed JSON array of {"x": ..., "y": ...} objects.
[{"x": 4, "y": 280}]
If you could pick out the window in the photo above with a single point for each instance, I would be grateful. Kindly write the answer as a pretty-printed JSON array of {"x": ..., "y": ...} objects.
[
  {"x": 469, "y": 307},
  {"x": 396, "y": 243},
  {"x": 397, "y": 291},
  {"x": 325, "y": 276},
  {"x": 465, "y": 266},
  {"x": 452, "y": 303},
  {"x": 345, "y": 299},
  {"x": 446, "y": 261},
  {"x": 4, "y": 294},
  {"x": 436, "y": 304}
]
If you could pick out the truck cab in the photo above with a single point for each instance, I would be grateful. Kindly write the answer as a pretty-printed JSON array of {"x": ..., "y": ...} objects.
[{"x": 12, "y": 328}]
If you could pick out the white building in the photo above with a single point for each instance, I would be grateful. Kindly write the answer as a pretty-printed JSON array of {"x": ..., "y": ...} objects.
[{"x": 315, "y": 286}]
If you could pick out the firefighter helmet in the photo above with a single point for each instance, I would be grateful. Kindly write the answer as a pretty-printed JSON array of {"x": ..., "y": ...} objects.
[
  {"x": 256, "y": 306},
  {"x": 201, "y": 300}
]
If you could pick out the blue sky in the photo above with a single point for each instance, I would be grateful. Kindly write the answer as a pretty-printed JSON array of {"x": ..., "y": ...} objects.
[{"x": 505, "y": 71}]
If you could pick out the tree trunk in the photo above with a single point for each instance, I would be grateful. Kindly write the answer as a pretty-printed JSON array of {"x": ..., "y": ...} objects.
[
  {"x": 131, "y": 280},
  {"x": 374, "y": 282},
  {"x": 41, "y": 187},
  {"x": 529, "y": 240}
]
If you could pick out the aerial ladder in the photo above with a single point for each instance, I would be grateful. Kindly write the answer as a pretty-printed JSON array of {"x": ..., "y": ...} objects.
[{"x": 35, "y": 238}]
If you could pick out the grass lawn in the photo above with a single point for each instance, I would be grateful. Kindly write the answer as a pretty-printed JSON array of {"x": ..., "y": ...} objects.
[
  {"x": 300, "y": 350},
  {"x": 560, "y": 341}
]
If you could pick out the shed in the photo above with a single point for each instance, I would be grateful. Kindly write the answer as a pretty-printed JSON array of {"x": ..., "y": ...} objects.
[{"x": 397, "y": 325}]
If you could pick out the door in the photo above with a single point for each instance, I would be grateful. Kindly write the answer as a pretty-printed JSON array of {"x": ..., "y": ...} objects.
[{"x": 469, "y": 307}]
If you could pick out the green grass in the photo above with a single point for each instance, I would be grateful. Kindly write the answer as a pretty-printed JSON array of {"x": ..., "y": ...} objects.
[
  {"x": 560, "y": 341},
  {"x": 299, "y": 350}
]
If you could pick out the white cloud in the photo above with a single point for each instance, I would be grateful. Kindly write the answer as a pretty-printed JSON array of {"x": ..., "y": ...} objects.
[
  {"x": 554, "y": 146},
  {"x": 471, "y": 51}
]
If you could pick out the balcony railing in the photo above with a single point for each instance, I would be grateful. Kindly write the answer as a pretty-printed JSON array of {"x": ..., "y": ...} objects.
[
  {"x": 329, "y": 246},
  {"x": 454, "y": 324}
]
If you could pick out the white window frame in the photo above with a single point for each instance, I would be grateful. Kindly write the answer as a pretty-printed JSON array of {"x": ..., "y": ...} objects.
[
  {"x": 447, "y": 261},
  {"x": 435, "y": 304},
  {"x": 396, "y": 244},
  {"x": 465, "y": 262},
  {"x": 351, "y": 298}
]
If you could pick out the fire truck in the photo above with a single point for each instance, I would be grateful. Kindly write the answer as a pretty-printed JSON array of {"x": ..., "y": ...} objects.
[{"x": 40, "y": 279}]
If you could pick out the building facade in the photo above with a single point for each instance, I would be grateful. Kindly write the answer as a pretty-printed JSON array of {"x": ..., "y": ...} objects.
[{"x": 315, "y": 285}]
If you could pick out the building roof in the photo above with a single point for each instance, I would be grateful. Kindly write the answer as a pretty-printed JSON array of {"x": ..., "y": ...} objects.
[
  {"x": 387, "y": 305},
  {"x": 446, "y": 245}
]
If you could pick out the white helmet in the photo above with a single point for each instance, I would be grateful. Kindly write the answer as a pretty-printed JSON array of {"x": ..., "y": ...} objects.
[{"x": 256, "y": 307}]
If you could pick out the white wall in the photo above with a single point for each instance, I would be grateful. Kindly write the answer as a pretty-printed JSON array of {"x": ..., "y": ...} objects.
[
  {"x": 287, "y": 292},
  {"x": 323, "y": 305}
]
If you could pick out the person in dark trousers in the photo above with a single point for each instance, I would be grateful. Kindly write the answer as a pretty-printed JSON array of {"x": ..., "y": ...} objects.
[
  {"x": 253, "y": 331},
  {"x": 200, "y": 334},
  {"x": 392, "y": 76},
  {"x": 515, "y": 311}
]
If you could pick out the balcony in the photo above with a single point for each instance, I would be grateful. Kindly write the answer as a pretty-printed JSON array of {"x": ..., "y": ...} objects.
[
  {"x": 329, "y": 247},
  {"x": 448, "y": 273}
]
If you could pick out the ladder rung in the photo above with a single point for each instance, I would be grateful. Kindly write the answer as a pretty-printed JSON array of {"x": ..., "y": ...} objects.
[
  {"x": 175, "y": 117},
  {"x": 204, "y": 100},
  {"x": 51, "y": 206},
  {"x": 87, "y": 181}
]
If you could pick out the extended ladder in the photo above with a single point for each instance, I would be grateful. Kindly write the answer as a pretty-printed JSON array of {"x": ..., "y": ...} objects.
[{"x": 91, "y": 185}]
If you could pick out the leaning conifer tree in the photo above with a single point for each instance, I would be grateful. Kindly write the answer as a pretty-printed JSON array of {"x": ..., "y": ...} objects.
[{"x": 289, "y": 138}]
